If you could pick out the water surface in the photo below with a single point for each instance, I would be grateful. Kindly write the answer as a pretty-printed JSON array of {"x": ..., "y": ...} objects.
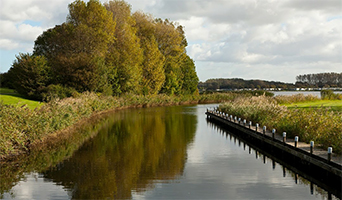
[{"x": 160, "y": 153}]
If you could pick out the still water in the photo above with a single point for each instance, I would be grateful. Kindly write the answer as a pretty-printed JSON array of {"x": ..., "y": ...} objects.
[{"x": 156, "y": 153}]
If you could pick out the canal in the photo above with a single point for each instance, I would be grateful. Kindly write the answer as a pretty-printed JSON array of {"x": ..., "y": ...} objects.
[{"x": 156, "y": 153}]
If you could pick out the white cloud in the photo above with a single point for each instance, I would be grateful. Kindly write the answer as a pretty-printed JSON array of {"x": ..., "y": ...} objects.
[{"x": 267, "y": 34}]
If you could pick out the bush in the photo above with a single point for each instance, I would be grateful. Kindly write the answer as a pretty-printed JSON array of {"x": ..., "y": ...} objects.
[
  {"x": 30, "y": 75},
  {"x": 58, "y": 91},
  {"x": 330, "y": 95}
]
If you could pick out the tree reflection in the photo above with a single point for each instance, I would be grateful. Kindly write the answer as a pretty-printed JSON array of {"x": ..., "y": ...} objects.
[{"x": 132, "y": 151}]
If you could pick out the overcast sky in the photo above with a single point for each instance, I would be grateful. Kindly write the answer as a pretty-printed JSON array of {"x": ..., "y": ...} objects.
[{"x": 251, "y": 39}]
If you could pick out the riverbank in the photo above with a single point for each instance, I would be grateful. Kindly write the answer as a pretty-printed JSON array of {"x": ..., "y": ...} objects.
[
  {"x": 22, "y": 128},
  {"x": 321, "y": 125}
]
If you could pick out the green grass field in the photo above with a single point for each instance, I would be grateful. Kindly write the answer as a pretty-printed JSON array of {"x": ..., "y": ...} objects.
[
  {"x": 11, "y": 97},
  {"x": 332, "y": 104}
]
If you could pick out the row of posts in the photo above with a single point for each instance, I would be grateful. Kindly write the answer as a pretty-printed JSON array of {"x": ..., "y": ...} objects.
[{"x": 296, "y": 139}]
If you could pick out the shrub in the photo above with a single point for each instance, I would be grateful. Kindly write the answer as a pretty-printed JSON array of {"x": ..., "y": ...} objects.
[
  {"x": 30, "y": 75},
  {"x": 330, "y": 95},
  {"x": 58, "y": 91}
]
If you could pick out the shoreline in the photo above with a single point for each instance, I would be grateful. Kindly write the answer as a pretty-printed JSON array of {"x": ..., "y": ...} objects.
[{"x": 53, "y": 139}]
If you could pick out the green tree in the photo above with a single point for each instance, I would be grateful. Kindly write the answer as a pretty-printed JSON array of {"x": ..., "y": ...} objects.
[
  {"x": 76, "y": 50},
  {"x": 171, "y": 43},
  {"x": 153, "y": 62},
  {"x": 30, "y": 75},
  {"x": 125, "y": 55},
  {"x": 190, "y": 79}
]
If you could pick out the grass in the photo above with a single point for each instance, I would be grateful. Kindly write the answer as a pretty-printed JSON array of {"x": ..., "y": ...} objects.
[
  {"x": 16, "y": 99},
  {"x": 7, "y": 91},
  {"x": 335, "y": 105},
  {"x": 321, "y": 124}
]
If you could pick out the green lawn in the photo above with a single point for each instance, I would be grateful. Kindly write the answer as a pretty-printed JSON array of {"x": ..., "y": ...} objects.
[
  {"x": 11, "y": 97},
  {"x": 333, "y": 104}
]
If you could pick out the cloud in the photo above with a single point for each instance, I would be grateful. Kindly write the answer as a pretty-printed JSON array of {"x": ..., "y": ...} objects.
[{"x": 268, "y": 34}]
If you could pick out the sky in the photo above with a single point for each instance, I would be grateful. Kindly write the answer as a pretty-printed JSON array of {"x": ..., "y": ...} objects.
[{"x": 274, "y": 40}]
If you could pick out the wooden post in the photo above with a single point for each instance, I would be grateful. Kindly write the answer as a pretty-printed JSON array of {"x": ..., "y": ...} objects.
[
  {"x": 264, "y": 130},
  {"x": 329, "y": 153},
  {"x": 312, "y": 146},
  {"x": 256, "y": 127},
  {"x": 239, "y": 120},
  {"x": 273, "y": 132},
  {"x": 284, "y": 137},
  {"x": 231, "y": 117},
  {"x": 244, "y": 122},
  {"x": 296, "y": 141},
  {"x": 250, "y": 124},
  {"x": 235, "y": 119}
]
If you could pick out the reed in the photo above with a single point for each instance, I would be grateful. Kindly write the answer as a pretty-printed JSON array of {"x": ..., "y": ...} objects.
[
  {"x": 321, "y": 125},
  {"x": 21, "y": 127}
]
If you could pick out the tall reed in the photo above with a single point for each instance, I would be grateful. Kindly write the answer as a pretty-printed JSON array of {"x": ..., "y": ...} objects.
[{"x": 320, "y": 125}]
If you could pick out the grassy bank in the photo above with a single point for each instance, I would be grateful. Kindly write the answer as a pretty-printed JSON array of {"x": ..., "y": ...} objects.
[
  {"x": 11, "y": 97},
  {"x": 322, "y": 125},
  {"x": 22, "y": 127}
]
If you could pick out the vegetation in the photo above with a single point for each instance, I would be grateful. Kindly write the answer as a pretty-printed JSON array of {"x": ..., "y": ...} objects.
[
  {"x": 320, "y": 80},
  {"x": 237, "y": 83},
  {"x": 330, "y": 95},
  {"x": 11, "y": 97},
  {"x": 105, "y": 49},
  {"x": 20, "y": 126},
  {"x": 322, "y": 125}
]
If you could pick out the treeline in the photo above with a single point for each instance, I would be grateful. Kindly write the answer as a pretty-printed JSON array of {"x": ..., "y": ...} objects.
[
  {"x": 320, "y": 80},
  {"x": 237, "y": 83},
  {"x": 105, "y": 49}
]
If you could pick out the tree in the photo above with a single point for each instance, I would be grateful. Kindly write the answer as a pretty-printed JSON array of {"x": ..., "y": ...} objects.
[
  {"x": 30, "y": 75},
  {"x": 76, "y": 50},
  {"x": 171, "y": 43},
  {"x": 125, "y": 55},
  {"x": 153, "y": 76},
  {"x": 189, "y": 76}
]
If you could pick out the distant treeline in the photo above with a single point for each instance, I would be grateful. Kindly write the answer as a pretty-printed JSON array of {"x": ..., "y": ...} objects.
[
  {"x": 237, "y": 83},
  {"x": 320, "y": 80},
  {"x": 105, "y": 48}
]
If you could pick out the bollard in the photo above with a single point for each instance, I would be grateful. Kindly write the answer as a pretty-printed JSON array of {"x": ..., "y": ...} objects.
[
  {"x": 296, "y": 141},
  {"x": 250, "y": 124},
  {"x": 235, "y": 119},
  {"x": 284, "y": 137},
  {"x": 329, "y": 153},
  {"x": 256, "y": 127},
  {"x": 312, "y": 146},
  {"x": 244, "y": 122},
  {"x": 273, "y": 132},
  {"x": 239, "y": 120},
  {"x": 231, "y": 117},
  {"x": 264, "y": 130}
]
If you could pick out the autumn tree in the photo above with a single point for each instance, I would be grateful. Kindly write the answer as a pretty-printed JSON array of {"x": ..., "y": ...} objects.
[
  {"x": 153, "y": 76},
  {"x": 172, "y": 45},
  {"x": 125, "y": 55}
]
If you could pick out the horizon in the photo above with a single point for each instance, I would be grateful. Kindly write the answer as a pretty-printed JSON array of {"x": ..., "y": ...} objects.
[{"x": 263, "y": 40}]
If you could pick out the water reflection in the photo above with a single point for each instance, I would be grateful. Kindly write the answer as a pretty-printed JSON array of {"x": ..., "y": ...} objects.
[
  {"x": 316, "y": 187},
  {"x": 155, "y": 153},
  {"x": 130, "y": 153}
]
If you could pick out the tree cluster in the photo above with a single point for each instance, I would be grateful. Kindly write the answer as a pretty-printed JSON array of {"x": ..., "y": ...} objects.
[
  {"x": 237, "y": 83},
  {"x": 320, "y": 80},
  {"x": 108, "y": 49}
]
